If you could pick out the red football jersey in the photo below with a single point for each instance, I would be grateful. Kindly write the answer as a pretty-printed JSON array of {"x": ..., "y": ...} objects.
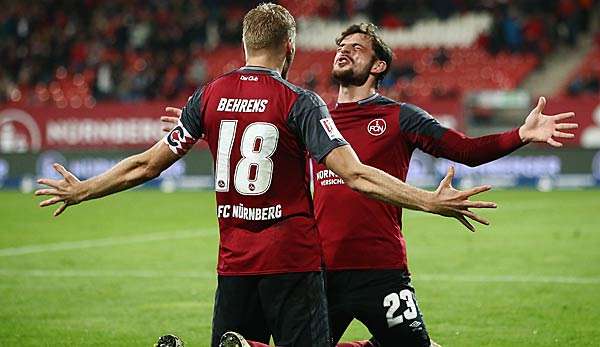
[
  {"x": 361, "y": 233},
  {"x": 260, "y": 129}
]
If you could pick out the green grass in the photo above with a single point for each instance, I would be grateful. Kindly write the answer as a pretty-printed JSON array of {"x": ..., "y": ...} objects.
[{"x": 531, "y": 279}]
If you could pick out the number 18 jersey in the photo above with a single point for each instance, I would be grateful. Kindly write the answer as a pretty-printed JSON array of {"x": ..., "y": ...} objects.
[{"x": 260, "y": 130}]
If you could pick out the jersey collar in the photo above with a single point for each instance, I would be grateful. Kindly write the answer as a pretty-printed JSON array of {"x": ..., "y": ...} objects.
[
  {"x": 359, "y": 102},
  {"x": 369, "y": 99},
  {"x": 259, "y": 68}
]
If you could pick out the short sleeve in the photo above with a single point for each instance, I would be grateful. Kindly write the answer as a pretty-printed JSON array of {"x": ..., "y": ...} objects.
[
  {"x": 311, "y": 121},
  {"x": 189, "y": 127}
]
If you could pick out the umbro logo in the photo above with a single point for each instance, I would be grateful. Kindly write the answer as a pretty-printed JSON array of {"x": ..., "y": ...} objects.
[
  {"x": 415, "y": 324},
  {"x": 376, "y": 127}
]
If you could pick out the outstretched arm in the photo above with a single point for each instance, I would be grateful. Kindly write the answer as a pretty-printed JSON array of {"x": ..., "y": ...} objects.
[
  {"x": 377, "y": 184},
  {"x": 430, "y": 136},
  {"x": 128, "y": 173},
  {"x": 445, "y": 201}
]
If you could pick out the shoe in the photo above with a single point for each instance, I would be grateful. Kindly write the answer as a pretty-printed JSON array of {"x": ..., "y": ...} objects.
[
  {"x": 231, "y": 339},
  {"x": 169, "y": 341}
]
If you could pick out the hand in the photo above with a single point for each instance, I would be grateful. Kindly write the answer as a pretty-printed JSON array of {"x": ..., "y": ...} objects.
[
  {"x": 68, "y": 190},
  {"x": 170, "y": 119},
  {"x": 539, "y": 127},
  {"x": 454, "y": 203}
]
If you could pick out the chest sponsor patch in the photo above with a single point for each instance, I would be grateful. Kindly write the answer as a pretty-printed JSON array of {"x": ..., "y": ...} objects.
[
  {"x": 330, "y": 129},
  {"x": 376, "y": 127}
]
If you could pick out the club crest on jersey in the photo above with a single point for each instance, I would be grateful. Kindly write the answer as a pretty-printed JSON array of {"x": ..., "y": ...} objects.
[
  {"x": 376, "y": 127},
  {"x": 330, "y": 129}
]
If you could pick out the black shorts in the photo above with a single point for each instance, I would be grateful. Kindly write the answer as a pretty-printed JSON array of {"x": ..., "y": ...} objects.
[
  {"x": 383, "y": 300},
  {"x": 290, "y": 307}
]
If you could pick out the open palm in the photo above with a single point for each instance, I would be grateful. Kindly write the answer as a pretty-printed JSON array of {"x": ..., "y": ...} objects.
[{"x": 539, "y": 127}]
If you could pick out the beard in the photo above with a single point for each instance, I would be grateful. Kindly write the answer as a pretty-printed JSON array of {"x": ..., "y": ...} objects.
[{"x": 354, "y": 77}]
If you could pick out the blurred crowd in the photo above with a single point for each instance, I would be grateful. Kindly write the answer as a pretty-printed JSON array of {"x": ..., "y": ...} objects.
[
  {"x": 128, "y": 50},
  {"x": 113, "y": 50},
  {"x": 537, "y": 26}
]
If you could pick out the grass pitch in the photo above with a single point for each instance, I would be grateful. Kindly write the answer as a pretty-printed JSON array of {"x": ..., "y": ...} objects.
[{"x": 126, "y": 269}]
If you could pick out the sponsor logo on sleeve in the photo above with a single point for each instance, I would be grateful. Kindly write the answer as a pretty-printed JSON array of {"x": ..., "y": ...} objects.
[
  {"x": 330, "y": 129},
  {"x": 376, "y": 127},
  {"x": 179, "y": 140}
]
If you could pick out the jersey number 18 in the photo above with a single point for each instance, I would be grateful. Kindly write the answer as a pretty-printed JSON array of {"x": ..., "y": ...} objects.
[{"x": 254, "y": 171}]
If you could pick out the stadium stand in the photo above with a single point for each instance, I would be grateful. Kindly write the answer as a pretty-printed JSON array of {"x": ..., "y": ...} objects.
[
  {"x": 132, "y": 51},
  {"x": 586, "y": 79}
]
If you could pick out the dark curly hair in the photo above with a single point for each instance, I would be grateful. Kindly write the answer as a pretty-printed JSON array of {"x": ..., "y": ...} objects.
[{"x": 382, "y": 50}]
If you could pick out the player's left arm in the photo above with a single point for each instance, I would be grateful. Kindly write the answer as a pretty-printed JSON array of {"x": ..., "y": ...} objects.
[{"x": 430, "y": 136}]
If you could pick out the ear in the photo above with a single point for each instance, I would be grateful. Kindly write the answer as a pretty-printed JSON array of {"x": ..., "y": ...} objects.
[
  {"x": 378, "y": 67},
  {"x": 290, "y": 47}
]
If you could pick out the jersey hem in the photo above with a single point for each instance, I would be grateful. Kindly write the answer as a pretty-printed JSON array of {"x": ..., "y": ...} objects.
[
  {"x": 270, "y": 272},
  {"x": 366, "y": 267}
]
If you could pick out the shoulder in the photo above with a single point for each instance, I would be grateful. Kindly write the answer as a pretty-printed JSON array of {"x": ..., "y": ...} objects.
[
  {"x": 221, "y": 81},
  {"x": 305, "y": 96},
  {"x": 414, "y": 119},
  {"x": 411, "y": 110},
  {"x": 380, "y": 100}
]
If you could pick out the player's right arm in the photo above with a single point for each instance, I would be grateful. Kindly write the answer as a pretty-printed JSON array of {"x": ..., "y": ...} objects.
[
  {"x": 131, "y": 171},
  {"x": 310, "y": 119},
  {"x": 128, "y": 173}
]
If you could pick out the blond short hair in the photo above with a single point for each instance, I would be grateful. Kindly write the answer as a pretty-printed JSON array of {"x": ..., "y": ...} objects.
[{"x": 267, "y": 26}]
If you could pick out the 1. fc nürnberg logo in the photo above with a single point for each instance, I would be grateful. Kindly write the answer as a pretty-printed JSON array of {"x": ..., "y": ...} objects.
[
  {"x": 19, "y": 132},
  {"x": 376, "y": 127}
]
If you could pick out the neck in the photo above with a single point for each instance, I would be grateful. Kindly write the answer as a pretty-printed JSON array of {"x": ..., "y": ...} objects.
[
  {"x": 355, "y": 93},
  {"x": 266, "y": 59}
]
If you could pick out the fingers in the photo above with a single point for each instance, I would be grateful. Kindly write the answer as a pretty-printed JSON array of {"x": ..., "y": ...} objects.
[
  {"x": 51, "y": 201},
  {"x": 477, "y": 190},
  {"x": 476, "y": 218},
  {"x": 49, "y": 182},
  {"x": 562, "y": 116},
  {"x": 173, "y": 111},
  {"x": 566, "y": 126},
  {"x": 540, "y": 105},
  {"x": 447, "y": 181},
  {"x": 46, "y": 192},
  {"x": 60, "y": 209},
  {"x": 554, "y": 143},
  {"x": 61, "y": 170},
  {"x": 172, "y": 120},
  {"x": 563, "y": 135},
  {"x": 480, "y": 204},
  {"x": 466, "y": 223}
]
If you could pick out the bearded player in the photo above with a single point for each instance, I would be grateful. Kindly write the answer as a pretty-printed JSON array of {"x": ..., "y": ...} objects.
[
  {"x": 365, "y": 252},
  {"x": 259, "y": 129}
]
